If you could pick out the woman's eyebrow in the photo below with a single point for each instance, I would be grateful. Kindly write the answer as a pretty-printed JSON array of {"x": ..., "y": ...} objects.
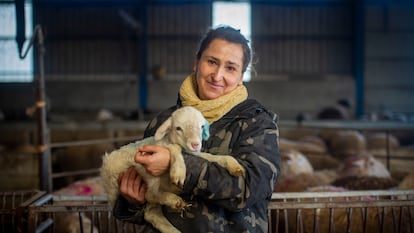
[
  {"x": 232, "y": 63},
  {"x": 226, "y": 62}
]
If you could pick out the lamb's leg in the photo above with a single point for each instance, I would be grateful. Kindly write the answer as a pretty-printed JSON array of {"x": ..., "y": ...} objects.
[
  {"x": 153, "y": 214},
  {"x": 155, "y": 195},
  {"x": 225, "y": 161},
  {"x": 177, "y": 165},
  {"x": 165, "y": 198}
]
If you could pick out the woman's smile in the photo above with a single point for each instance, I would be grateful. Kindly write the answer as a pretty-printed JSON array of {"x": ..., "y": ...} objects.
[{"x": 214, "y": 85}]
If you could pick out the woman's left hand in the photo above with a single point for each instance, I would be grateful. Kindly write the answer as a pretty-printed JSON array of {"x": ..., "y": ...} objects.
[
  {"x": 132, "y": 187},
  {"x": 156, "y": 159}
]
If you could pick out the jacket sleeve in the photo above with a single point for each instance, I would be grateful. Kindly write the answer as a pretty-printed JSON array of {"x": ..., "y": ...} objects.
[
  {"x": 127, "y": 212},
  {"x": 254, "y": 143}
]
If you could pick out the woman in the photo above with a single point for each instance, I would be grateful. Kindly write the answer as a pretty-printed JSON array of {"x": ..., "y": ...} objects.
[{"x": 239, "y": 127}]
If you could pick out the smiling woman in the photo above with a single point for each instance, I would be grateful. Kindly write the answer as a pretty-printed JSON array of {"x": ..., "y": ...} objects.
[{"x": 240, "y": 127}]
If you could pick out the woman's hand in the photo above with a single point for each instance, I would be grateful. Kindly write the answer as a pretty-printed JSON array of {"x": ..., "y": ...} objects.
[
  {"x": 156, "y": 159},
  {"x": 132, "y": 187}
]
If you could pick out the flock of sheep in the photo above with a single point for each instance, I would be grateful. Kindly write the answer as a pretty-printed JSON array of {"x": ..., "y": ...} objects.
[{"x": 342, "y": 158}]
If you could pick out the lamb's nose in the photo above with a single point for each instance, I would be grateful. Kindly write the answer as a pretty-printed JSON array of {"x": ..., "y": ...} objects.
[{"x": 195, "y": 145}]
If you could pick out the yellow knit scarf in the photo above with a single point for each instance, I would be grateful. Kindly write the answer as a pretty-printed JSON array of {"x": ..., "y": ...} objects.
[{"x": 212, "y": 109}]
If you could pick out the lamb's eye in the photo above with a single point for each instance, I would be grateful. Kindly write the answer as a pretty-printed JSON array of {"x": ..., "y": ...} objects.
[{"x": 178, "y": 128}]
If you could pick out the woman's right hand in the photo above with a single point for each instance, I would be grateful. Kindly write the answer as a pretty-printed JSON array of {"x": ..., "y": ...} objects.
[{"x": 132, "y": 187}]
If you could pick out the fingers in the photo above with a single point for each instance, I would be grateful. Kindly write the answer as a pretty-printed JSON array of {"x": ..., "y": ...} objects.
[
  {"x": 132, "y": 186},
  {"x": 144, "y": 153},
  {"x": 149, "y": 148},
  {"x": 140, "y": 185},
  {"x": 155, "y": 159},
  {"x": 143, "y": 158},
  {"x": 124, "y": 180}
]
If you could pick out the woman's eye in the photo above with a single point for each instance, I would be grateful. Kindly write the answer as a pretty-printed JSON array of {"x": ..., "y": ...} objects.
[
  {"x": 230, "y": 68},
  {"x": 212, "y": 62}
]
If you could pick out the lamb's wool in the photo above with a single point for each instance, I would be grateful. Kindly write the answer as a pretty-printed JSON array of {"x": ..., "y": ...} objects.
[{"x": 190, "y": 124}]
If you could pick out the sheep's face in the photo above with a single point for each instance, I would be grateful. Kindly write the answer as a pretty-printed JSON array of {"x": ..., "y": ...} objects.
[
  {"x": 294, "y": 163},
  {"x": 364, "y": 165},
  {"x": 186, "y": 127}
]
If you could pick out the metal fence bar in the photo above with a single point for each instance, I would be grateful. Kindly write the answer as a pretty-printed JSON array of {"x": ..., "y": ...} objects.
[
  {"x": 351, "y": 211},
  {"x": 386, "y": 211}
]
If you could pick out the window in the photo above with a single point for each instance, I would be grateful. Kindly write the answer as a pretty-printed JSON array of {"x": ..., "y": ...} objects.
[
  {"x": 12, "y": 68},
  {"x": 237, "y": 15}
]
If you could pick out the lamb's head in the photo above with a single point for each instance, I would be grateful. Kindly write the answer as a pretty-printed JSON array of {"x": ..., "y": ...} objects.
[
  {"x": 186, "y": 127},
  {"x": 294, "y": 163},
  {"x": 364, "y": 165}
]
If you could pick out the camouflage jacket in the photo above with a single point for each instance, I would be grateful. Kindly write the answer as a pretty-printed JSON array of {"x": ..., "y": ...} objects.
[{"x": 221, "y": 202}]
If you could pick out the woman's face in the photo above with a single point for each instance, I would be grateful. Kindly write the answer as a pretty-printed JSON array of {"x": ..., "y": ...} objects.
[{"x": 219, "y": 70}]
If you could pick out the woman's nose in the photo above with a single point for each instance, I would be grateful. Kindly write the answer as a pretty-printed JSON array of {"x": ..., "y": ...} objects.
[{"x": 218, "y": 74}]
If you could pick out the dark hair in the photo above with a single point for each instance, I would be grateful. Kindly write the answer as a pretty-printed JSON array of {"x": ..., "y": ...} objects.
[{"x": 229, "y": 34}]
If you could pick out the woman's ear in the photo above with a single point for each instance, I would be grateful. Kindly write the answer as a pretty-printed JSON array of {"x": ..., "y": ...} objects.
[
  {"x": 163, "y": 129},
  {"x": 206, "y": 131},
  {"x": 241, "y": 80},
  {"x": 195, "y": 66}
]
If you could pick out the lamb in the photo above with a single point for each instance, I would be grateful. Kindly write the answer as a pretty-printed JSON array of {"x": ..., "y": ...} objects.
[
  {"x": 346, "y": 143},
  {"x": 294, "y": 163},
  {"x": 358, "y": 172},
  {"x": 74, "y": 222},
  {"x": 297, "y": 173},
  {"x": 363, "y": 164},
  {"x": 185, "y": 129}
]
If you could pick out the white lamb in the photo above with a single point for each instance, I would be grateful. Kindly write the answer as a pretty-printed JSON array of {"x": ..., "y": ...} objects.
[{"x": 185, "y": 129}]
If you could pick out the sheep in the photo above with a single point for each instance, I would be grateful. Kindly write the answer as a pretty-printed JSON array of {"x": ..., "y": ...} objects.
[
  {"x": 185, "y": 129},
  {"x": 294, "y": 163},
  {"x": 74, "y": 222},
  {"x": 407, "y": 182},
  {"x": 314, "y": 148},
  {"x": 297, "y": 173},
  {"x": 363, "y": 164},
  {"x": 400, "y": 159},
  {"x": 358, "y": 172},
  {"x": 347, "y": 142},
  {"x": 381, "y": 141}
]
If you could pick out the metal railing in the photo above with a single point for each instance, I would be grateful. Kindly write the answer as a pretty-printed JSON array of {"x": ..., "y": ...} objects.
[{"x": 387, "y": 211}]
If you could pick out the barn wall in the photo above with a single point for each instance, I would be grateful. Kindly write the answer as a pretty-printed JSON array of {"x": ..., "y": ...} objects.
[
  {"x": 389, "y": 58},
  {"x": 93, "y": 57}
]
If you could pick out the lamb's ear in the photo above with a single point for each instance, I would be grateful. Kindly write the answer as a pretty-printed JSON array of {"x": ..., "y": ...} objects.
[
  {"x": 206, "y": 131},
  {"x": 163, "y": 129}
]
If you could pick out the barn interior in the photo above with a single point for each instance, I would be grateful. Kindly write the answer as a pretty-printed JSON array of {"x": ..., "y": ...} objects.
[{"x": 80, "y": 78}]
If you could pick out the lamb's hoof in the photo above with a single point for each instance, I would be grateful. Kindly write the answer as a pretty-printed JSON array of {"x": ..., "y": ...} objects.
[
  {"x": 183, "y": 211},
  {"x": 236, "y": 170},
  {"x": 177, "y": 176},
  {"x": 181, "y": 205},
  {"x": 178, "y": 181}
]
